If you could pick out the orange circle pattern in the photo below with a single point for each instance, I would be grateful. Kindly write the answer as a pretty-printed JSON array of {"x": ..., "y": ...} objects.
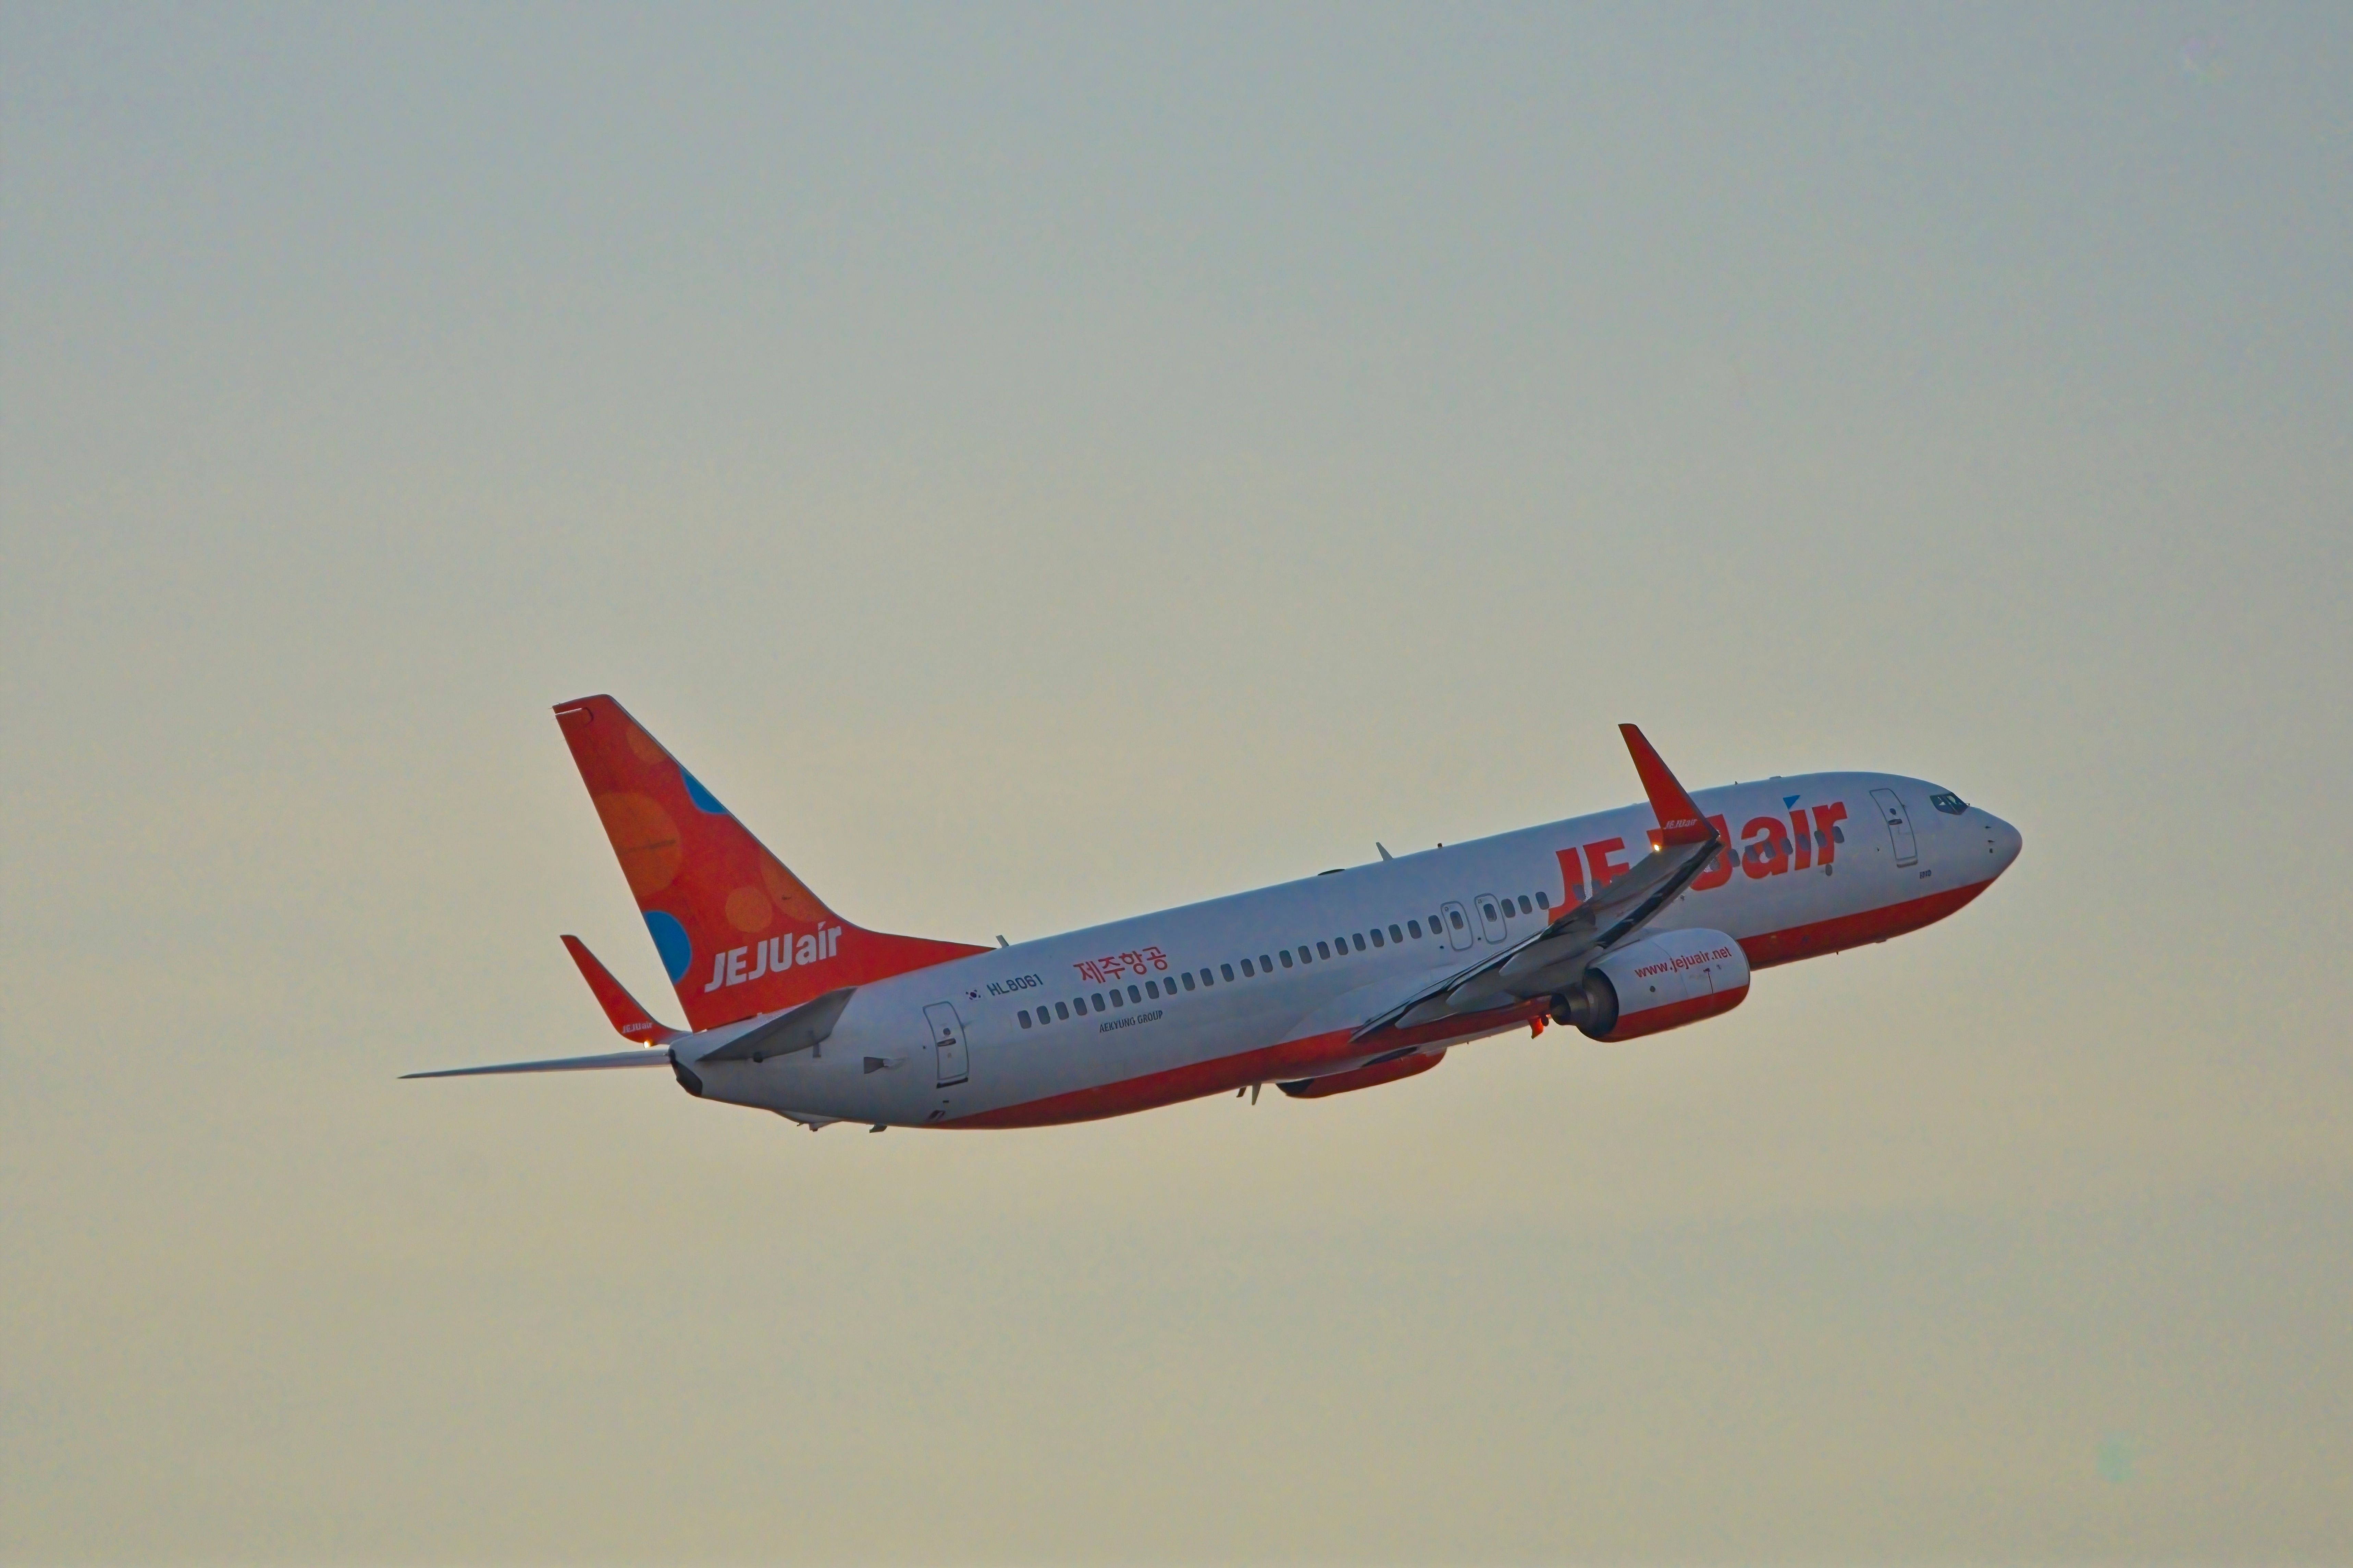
[
  {"x": 644, "y": 839},
  {"x": 797, "y": 902},
  {"x": 747, "y": 910}
]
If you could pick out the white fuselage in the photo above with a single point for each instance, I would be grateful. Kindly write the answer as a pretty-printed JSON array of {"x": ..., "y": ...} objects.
[{"x": 1159, "y": 1008}]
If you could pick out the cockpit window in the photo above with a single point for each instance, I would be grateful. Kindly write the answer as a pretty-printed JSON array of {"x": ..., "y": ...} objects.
[{"x": 1948, "y": 803}]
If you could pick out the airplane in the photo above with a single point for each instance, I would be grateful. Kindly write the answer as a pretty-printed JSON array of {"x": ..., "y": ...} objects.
[{"x": 1619, "y": 924}]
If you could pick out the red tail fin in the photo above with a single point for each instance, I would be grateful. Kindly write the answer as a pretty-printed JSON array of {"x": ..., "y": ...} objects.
[
  {"x": 1679, "y": 819},
  {"x": 738, "y": 933}
]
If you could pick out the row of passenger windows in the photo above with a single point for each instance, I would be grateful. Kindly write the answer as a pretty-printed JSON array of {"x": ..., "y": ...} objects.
[
  {"x": 1337, "y": 947},
  {"x": 1527, "y": 907}
]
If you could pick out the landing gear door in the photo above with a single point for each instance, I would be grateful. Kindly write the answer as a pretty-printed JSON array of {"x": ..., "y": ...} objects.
[
  {"x": 948, "y": 1043},
  {"x": 1899, "y": 825}
]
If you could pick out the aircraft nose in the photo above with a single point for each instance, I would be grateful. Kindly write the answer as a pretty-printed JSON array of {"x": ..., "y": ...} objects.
[{"x": 2005, "y": 840}]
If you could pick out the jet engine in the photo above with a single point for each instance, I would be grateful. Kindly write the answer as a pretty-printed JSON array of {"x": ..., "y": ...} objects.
[{"x": 1662, "y": 982}]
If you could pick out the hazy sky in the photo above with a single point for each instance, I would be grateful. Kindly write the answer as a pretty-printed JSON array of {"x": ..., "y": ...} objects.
[{"x": 1040, "y": 465}]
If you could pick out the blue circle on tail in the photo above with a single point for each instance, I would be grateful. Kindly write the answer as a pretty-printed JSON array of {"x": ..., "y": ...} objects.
[
  {"x": 704, "y": 799},
  {"x": 677, "y": 948}
]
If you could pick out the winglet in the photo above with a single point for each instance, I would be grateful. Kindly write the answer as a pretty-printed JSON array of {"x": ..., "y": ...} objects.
[
  {"x": 633, "y": 1021},
  {"x": 1679, "y": 819}
]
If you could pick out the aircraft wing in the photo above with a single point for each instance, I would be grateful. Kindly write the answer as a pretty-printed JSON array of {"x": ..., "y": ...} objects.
[{"x": 1547, "y": 960}]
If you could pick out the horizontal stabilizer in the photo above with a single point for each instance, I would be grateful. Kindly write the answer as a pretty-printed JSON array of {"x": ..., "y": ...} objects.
[
  {"x": 629, "y": 1020},
  {"x": 639, "y": 1058},
  {"x": 803, "y": 1028}
]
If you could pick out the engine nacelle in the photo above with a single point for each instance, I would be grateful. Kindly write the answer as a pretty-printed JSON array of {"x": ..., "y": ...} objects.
[{"x": 1662, "y": 982}]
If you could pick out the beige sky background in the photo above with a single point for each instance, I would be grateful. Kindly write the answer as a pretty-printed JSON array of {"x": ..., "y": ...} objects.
[{"x": 1038, "y": 466}]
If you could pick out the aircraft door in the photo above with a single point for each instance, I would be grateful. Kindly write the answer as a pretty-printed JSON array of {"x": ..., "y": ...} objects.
[
  {"x": 1899, "y": 826},
  {"x": 948, "y": 1043},
  {"x": 1457, "y": 924},
  {"x": 1492, "y": 921}
]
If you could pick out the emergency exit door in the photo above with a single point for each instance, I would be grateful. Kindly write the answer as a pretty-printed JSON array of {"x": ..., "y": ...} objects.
[
  {"x": 1457, "y": 924},
  {"x": 1494, "y": 922},
  {"x": 948, "y": 1043},
  {"x": 1899, "y": 826}
]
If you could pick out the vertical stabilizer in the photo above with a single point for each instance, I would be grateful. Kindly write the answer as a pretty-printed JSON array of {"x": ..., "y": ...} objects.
[{"x": 738, "y": 933}]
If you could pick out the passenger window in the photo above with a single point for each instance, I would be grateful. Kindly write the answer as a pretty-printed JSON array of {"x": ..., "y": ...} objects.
[
  {"x": 1246, "y": 967},
  {"x": 1265, "y": 964},
  {"x": 1134, "y": 994},
  {"x": 1099, "y": 1003},
  {"x": 1838, "y": 833},
  {"x": 1543, "y": 902},
  {"x": 1398, "y": 936},
  {"x": 1025, "y": 1017},
  {"x": 1487, "y": 910},
  {"x": 1376, "y": 937},
  {"x": 1456, "y": 916},
  {"x": 1359, "y": 938},
  {"x": 1525, "y": 908},
  {"x": 1152, "y": 989},
  {"x": 1188, "y": 978},
  {"x": 1286, "y": 957},
  {"x": 1063, "y": 1011},
  {"x": 1415, "y": 927},
  {"x": 1322, "y": 950},
  {"x": 1306, "y": 956}
]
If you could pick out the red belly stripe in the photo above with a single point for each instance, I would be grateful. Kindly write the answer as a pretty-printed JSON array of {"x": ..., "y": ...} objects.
[{"x": 1853, "y": 931}]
